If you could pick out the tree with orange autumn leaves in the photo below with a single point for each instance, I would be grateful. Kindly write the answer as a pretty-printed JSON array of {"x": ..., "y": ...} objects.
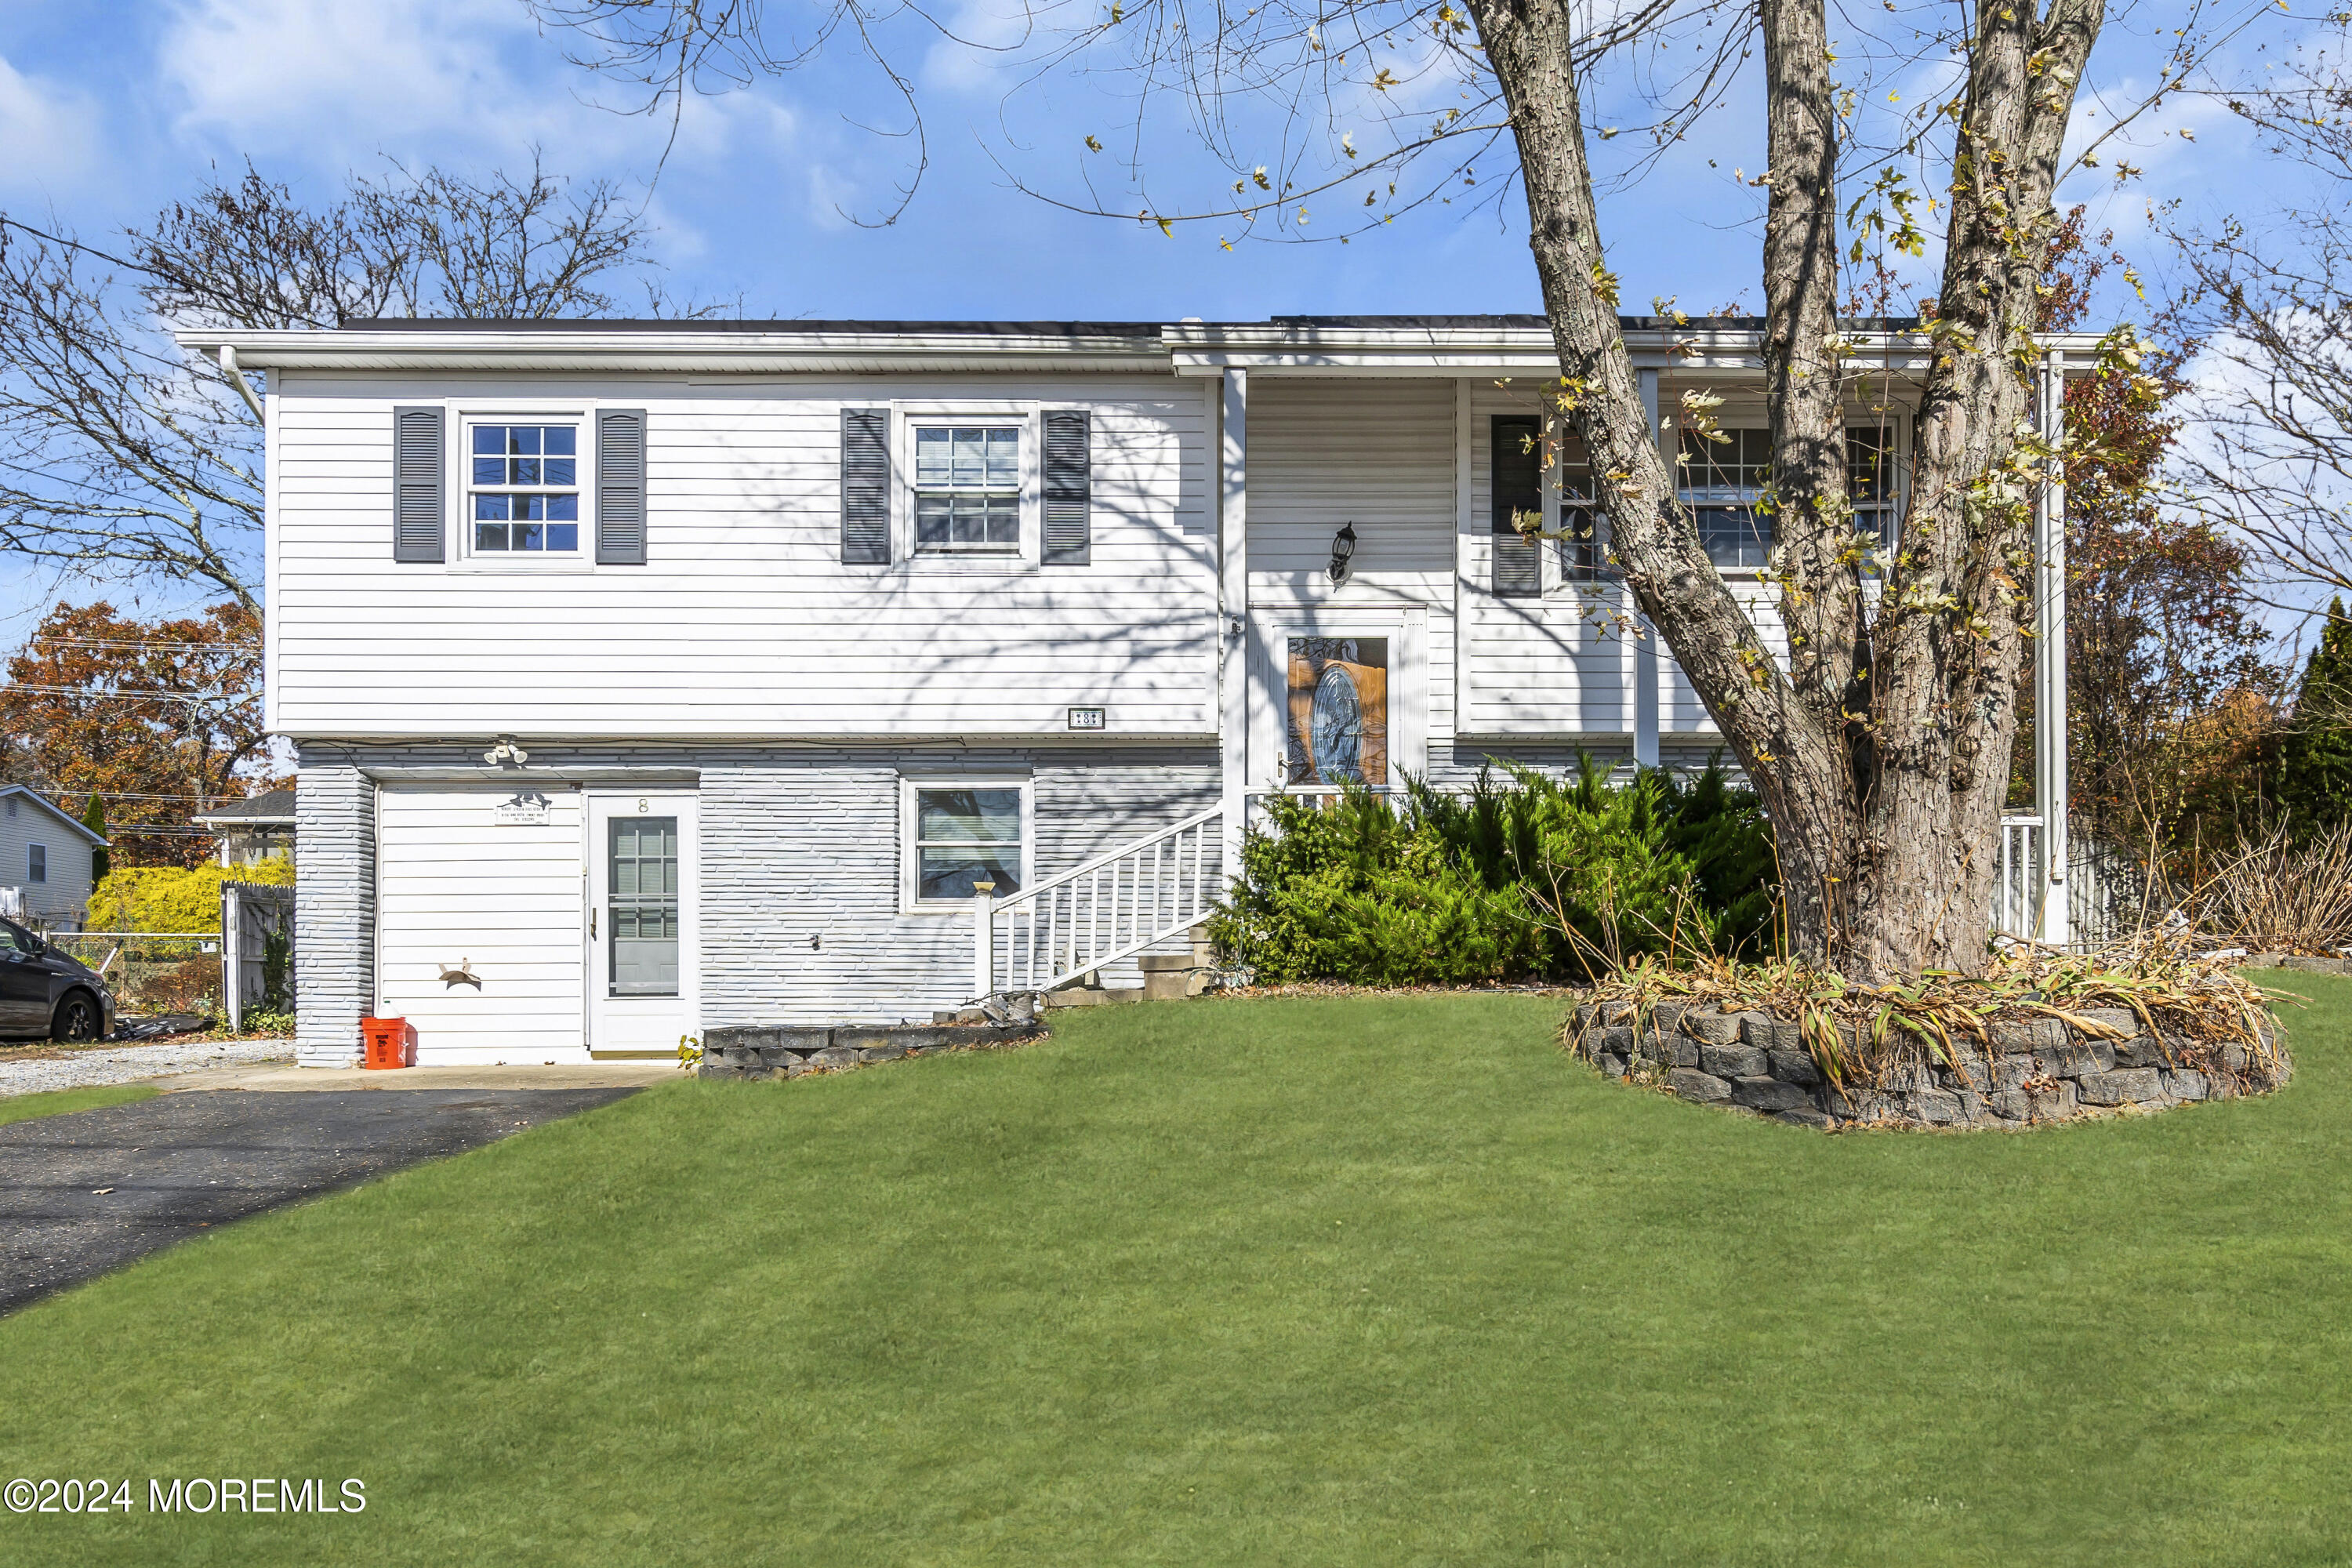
[
  {"x": 2162, "y": 629},
  {"x": 160, "y": 718}
]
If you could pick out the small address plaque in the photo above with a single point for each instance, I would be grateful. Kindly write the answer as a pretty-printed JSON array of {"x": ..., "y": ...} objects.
[{"x": 1087, "y": 719}]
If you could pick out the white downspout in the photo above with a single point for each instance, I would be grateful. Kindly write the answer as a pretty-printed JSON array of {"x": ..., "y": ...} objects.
[{"x": 236, "y": 379}]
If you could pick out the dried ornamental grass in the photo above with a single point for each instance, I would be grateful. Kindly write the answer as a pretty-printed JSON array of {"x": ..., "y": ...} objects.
[{"x": 2281, "y": 895}]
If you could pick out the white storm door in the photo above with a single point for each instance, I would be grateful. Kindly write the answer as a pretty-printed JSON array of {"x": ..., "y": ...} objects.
[
  {"x": 1337, "y": 696},
  {"x": 641, "y": 925}
]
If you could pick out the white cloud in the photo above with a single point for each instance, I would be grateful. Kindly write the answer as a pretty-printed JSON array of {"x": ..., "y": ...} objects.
[
  {"x": 51, "y": 133},
  {"x": 338, "y": 82}
]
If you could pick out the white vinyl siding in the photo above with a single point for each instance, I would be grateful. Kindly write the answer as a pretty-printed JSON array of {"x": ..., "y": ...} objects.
[
  {"x": 745, "y": 623},
  {"x": 1560, "y": 664},
  {"x": 457, "y": 887},
  {"x": 1376, "y": 453}
]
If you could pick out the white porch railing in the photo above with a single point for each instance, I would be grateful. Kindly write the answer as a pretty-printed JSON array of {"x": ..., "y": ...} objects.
[
  {"x": 2017, "y": 890},
  {"x": 1111, "y": 908}
]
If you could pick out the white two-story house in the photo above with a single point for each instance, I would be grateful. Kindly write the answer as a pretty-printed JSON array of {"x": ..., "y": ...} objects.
[{"x": 652, "y": 677}]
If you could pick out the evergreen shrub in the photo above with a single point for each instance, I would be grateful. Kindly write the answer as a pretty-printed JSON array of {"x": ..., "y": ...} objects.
[
  {"x": 2314, "y": 769},
  {"x": 1539, "y": 878}
]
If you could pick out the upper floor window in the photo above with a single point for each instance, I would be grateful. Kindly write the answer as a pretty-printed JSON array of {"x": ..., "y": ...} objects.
[
  {"x": 967, "y": 487},
  {"x": 525, "y": 485},
  {"x": 1721, "y": 482},
  {"x": 1870, "y": 480},
  {"x": 1581, "y": 551},
  {"x": 37, "y": 863}
]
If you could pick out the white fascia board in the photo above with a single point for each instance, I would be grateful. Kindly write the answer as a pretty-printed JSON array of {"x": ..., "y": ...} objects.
[{"x": 771, "y": 353}]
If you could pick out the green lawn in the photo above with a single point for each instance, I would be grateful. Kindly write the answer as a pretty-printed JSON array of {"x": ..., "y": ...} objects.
[
  {"x": 1352, "y": 1282},
  {"x": 57, "y": 1101}
]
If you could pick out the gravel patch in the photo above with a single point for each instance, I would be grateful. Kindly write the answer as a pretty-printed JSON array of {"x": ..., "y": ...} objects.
[{"x": 128, "y": 1063}]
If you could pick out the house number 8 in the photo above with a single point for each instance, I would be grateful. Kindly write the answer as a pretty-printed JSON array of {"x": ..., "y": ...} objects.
[{"x": 642, "y": 805}]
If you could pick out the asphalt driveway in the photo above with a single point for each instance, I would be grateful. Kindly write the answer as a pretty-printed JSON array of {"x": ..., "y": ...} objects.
[{"x": 85, "y": 1193}]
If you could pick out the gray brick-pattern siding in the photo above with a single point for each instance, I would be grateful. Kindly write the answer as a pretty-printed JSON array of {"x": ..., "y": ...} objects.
[
  {"x": 801, "y": 865},
  {"x": 334, "y": 910}
]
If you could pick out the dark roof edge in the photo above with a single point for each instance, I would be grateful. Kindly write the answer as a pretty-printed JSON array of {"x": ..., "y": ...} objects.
[
  {"x": 1139, "y": 329},
  {"x": 1144, "y": 330}
]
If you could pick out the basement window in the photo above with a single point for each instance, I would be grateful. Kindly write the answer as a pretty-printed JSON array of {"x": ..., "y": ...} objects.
[{"x": 962, "y": 832}]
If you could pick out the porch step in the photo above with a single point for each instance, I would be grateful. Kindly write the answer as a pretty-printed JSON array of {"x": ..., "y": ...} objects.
[{"x": 1094, "y": 997}]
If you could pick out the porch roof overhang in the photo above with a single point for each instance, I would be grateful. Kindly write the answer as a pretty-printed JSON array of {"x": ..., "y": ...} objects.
[{"x": 1508, "y": 346}]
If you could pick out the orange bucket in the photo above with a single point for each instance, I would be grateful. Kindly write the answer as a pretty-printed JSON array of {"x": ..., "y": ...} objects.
[{"x": 387, "y": 1043}]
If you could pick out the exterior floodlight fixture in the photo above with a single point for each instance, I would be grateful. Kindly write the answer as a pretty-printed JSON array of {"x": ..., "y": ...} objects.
[
  {"x": 506, "y": 754},
  {"x": 1343, "y": 550}
]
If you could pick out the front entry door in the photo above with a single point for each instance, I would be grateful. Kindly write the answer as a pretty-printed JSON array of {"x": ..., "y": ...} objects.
[{"x": 641, "y": 924}]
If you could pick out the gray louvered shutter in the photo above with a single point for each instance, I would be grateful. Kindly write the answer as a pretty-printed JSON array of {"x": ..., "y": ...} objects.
[
  {"x": 420, "y": 528},
  {"x": 1516, "y": 482},
  {"x": 1070, "y": 489},
  {"x": 866, "y": 487},
  {"x": 620, "y": 487}
]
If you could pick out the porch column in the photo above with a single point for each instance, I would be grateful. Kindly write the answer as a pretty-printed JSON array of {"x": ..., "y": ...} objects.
[
  {"x": 1647, "y": 652},
  {"x": 2050, "y": 663},
  {"x": 1232, "y": 606}
]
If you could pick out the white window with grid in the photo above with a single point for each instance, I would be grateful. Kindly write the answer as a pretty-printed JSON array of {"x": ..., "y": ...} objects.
[
  {"x": 1870, "y": 480},
  {"x": 968, "y": 486},
  {"x": 522, "y": 482}
]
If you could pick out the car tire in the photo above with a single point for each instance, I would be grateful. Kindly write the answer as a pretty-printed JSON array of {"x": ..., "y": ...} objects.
[{"x": 77, "y": 1019}]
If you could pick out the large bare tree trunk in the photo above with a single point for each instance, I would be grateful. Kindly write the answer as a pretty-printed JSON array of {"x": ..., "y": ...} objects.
[{"x": 1880, "y": 749}]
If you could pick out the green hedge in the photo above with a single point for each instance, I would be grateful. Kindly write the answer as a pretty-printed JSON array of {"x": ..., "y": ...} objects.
[{"x": 1540, "y": 878}]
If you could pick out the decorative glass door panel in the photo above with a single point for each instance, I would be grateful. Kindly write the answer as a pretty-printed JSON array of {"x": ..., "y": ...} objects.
[
  {"x": 1336, "y": 717},
  {"x": 642, "y": 905}
]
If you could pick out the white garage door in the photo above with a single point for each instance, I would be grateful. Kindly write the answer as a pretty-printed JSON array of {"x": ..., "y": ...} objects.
[{"x": 485, "y": 881}]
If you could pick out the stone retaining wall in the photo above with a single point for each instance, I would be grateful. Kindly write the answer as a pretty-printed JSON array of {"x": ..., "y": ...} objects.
[
  {"x": 751, "y": 1051},
  {"x": 2041, "y": 1069}
]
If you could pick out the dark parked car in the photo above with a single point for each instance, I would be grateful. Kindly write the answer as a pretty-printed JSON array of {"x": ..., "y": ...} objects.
[{"x": 44, "y": 991}]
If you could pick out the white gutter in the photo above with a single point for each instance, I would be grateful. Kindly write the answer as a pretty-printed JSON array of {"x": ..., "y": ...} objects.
[
  {"x": 236, "y": 379},
  {"x": 589, "y": 349}
]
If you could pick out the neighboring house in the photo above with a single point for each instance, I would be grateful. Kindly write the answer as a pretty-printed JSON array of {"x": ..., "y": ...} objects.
[
  {"x": 44, "y": 859},
  {"x": 652, "y": 677},
  {"x": 254, "y": 829}
]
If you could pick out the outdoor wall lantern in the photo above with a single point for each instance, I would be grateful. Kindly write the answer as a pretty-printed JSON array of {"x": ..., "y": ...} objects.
[{"x": 1343, "y": 550}]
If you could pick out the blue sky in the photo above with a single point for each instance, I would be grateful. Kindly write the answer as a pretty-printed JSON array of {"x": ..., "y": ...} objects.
[{"x": 109, "y": 109}]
